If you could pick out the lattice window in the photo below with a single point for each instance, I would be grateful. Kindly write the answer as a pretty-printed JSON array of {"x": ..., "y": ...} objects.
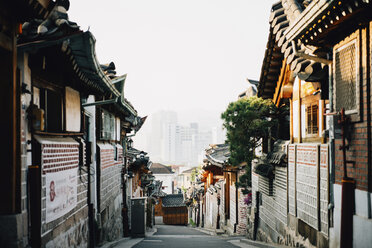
[
  {"x": 346, "y": 77},
  {"x": 312, "y": 123}
]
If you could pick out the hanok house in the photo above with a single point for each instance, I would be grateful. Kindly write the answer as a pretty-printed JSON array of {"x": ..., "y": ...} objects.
[
  {"x": 341, "y": 32},
  {"x": 138, "y": 178},
  {"x": 58, "y": 70},
  {"x": 14, "y": 209},
  {"x": 158, "y": 194},
  {"x": 291, "y": 199},
  {"x": 166, "y": 175},
  {"x": 223, "y": 203},
  {"x": 317, "y": 61},
  {"x": 114, "y": 119},
  {"x": 174, "y": 210}
]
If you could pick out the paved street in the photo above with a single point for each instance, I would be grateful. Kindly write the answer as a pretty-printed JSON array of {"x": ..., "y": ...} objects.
[{"x": 182, "y": 237}]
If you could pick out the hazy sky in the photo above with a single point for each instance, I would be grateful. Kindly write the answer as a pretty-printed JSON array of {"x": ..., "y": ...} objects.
[{"x": 179, "y": 54}]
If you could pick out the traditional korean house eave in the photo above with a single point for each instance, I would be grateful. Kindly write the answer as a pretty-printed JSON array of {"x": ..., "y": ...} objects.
[
  {"x": 302, "y": 59},
  {"x": 271, "y": 67},
  {"x": 119, "y": 83},
  {"x": 30, "y": 8},
  {"x": 217, "y": 155},
  {"x": 319, "y": 22},
  {"x": 81, "y": 50}
]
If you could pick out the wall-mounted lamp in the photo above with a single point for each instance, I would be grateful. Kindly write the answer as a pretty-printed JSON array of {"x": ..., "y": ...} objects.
[{"x": 130, "y": 143}]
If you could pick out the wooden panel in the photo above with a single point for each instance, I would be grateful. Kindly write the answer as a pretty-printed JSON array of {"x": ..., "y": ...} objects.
[
  {"x": 175, "y": 216},
  {"x": 73, "y": 112}
]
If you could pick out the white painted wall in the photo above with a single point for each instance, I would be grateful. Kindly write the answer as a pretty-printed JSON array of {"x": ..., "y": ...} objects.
[
  {"x": 167, "y": 180},
  {"x": 362, "y": 222}
]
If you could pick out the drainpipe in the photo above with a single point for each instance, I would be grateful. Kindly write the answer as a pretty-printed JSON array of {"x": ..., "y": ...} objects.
[
  {"x": 368, "y": 52},
  {"x": 236, "y": 204},
  {"x": 331, "y": 145}
]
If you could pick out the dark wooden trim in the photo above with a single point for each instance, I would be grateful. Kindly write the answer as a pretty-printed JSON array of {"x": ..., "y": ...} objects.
[
  {"x": 5, "y": 42},
  {"x": 58, "y": 134}
]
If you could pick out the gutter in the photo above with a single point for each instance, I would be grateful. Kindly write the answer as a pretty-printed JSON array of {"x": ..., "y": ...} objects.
[{"x": 100, "y": 102}]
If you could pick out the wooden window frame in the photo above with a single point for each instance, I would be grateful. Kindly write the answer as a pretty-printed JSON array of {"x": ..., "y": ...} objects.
[
  {"x": 311, "y": 123},
  {"x": 355, "y": 114}
]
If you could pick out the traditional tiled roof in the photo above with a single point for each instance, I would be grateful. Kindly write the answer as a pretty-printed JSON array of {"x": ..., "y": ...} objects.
[
  {"x": 217, "y": 155},
  {"x": 173, "y": 200},
  {"x": 297, "y": 29},
  {"x": 251, "y": 90},
  {"x": 157, "y": 168},
  {"x": 157, "y": 191},
  {"x": 189, "y": 170},
  {"x": 79, "y": 48}
]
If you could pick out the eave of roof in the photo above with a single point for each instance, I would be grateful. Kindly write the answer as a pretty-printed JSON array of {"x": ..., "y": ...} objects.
[{"x": 82, "y": 54}]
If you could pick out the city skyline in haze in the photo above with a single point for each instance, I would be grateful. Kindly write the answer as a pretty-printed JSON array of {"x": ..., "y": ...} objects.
[
  {"x": 191, "y": 57},
  {"x": 179, "y": 55}
]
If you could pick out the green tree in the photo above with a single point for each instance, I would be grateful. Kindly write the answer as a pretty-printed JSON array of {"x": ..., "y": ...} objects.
[{"x": 247, "y": 123}]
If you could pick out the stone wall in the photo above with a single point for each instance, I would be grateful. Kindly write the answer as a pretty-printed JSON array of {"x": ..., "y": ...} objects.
[
  {"x": 64, "y": 191},
  {"x": 299, "y": 217},
  {"x": 110, "y": 197}
]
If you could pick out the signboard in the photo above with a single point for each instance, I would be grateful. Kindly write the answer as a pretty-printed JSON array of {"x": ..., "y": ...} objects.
[
  {"x": 306, "y": 183},
  {"x": 61, "y": 195}
]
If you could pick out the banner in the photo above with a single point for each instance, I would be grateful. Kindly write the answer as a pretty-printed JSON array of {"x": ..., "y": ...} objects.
[{"x": 61, "y": 193}]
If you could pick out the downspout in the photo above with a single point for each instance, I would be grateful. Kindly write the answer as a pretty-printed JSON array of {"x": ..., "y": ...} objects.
[
  {"x": 368, "y": 70},
  {"x": 331, "y": 146},
  {"x": 236, "y": 204}
]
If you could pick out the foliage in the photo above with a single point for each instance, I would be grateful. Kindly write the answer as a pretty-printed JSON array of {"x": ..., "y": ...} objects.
[
  {"x": 194, "y": 174},
  {"x": 247, "y": 121},
  {"x": 248, "y": 199},
  {"x": 192, "y": 223}
]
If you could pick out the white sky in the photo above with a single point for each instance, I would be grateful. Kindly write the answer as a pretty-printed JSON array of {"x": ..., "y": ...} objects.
[{"x": 179, "y": 54}]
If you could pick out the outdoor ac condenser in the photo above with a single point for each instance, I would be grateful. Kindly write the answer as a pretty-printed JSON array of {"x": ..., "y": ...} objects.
[{"x": 138, "y": 216}]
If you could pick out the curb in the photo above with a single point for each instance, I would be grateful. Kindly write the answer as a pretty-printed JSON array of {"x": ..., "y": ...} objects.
[
  {"x": 127, "y": 239},
  {"x": 261, "y": 244},
  {"x": 203, "y": 230},
  {"x": 113, "y": 243}
]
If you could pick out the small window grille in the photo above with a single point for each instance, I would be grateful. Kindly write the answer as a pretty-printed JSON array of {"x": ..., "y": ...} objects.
[
  {"x": 312, "y": 119},
  {"x": 346, "y": 77}
]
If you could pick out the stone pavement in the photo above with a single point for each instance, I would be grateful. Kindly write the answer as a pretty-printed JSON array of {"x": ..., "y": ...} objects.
[{"x": 182, "y": 236}]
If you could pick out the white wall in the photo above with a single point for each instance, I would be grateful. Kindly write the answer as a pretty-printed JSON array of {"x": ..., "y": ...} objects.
[
  {"x": 167, "y": 180},
  {"x": 362, "y": 223}
]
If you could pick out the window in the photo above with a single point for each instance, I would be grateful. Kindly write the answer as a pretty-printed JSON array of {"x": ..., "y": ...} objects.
[
  {"x": 107, "y": 131},
  {"x": 56, "y": 109},
  {"x": 51, "y": 103},
  {"x": 346, "y": 78},
  {"x": 312, "y": 123}
]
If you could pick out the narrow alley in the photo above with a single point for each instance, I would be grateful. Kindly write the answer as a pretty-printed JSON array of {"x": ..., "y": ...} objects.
[
  {"x": 185, "y": 123},
  {"x": 184, "y": 237}
]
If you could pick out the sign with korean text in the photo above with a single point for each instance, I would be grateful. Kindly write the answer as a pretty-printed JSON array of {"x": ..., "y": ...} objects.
[{"x": 61, "y": 193}]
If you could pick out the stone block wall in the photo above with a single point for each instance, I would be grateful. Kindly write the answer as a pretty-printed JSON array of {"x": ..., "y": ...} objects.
[
  {"x": 110, "y": 165},
  {"x": 64, "y": 192}
]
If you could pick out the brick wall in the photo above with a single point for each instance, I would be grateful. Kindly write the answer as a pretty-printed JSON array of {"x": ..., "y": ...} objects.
[
  {"x": 110, "y": 167},
  {"x": 60, "y": 162},
  {"x": 358, "y": 151}
]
